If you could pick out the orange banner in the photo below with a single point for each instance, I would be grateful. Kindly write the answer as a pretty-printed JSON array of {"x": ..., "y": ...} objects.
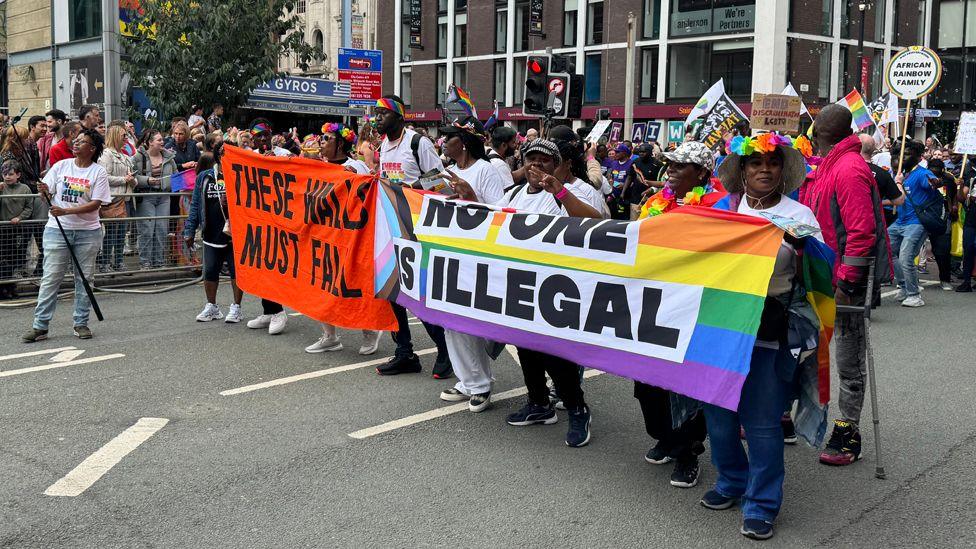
[{"x": 303, "y": 237}]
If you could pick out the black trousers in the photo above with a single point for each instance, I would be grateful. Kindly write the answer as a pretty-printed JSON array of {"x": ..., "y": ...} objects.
[
  {"x": 968, "y": 252},
  {"x": 565, "y": 376},
  {"x": 941, "y": 251},
  {"x": 270, "y": 307},
  {"x": 686, "y": 441},
  {"x": 404, "y": 340}
]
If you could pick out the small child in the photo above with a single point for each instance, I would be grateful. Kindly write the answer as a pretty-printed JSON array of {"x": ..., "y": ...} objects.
[{"x": 12, "y": 211}]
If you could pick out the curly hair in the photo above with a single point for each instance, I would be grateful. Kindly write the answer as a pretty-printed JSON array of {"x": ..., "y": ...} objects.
[{"x": 97, "y": 142}]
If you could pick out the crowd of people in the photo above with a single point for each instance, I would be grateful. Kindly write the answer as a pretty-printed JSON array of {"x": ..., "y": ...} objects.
[{"x": 842, "y": 184}]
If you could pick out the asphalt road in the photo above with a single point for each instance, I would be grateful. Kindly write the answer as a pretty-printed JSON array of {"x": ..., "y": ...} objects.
[{"x": 277, "y": 467}]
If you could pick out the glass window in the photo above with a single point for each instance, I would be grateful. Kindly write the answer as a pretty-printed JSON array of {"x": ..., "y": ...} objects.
[
  {"x": 522, "y": 26},
  {"x": 592, "y": 68},
  {"x": 442, "y": 36},
  {"x": 442, "y": 6},
  {"x": 460, "y": 4},
  {"x": 648, "y": 74},
  {"x": 406, "y": 85},
  {"x": 500, "y": 81},
  {"x": 461, "y": 75},
  {"x": 731, "y": 61},
  {"x": 519, "y": 81},
  {"x": 406, "y": 54},
  {"x": 570, "y": 16},
  {"x": 319, "y": 42},
  {"x": 846, "y": 81},
  {"x": 300, "y": 6},
  {"x": 460, "y": 35},
  {"x": 85, "y": 19},
  {"x": 909, "y": 18},
  {"x": 878, "y": 10},
  {"x": 651, "y": 19},
  {"x": 501, "y": 30},
  {"x": 949, "y": 90},
  {"x": 688, "y": 70},
  {"x": 441, "y": 84},
  {"x": 594, "y": 23},
  {"x": 950, "y": 24},
  {"x": 812, "y": 16}
]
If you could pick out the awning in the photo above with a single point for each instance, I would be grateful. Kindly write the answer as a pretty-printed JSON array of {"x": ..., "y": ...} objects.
[{"x": 303, "y": 95}]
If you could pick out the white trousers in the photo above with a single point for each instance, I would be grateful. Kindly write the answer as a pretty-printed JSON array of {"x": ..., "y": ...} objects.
[{"x": 472, "y": 365}]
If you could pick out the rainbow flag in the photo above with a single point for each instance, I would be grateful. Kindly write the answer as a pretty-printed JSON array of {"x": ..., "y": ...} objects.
[
  {"x": 625, "y": 297},
  {"x": 183, "y": 181},
  {"x": 855, "y": 103},
  {"x": 461, "y": 97},
  {"x": 817, "y": 266}
]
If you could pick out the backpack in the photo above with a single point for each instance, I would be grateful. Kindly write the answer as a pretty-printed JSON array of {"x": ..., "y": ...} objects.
[{"x": 415, "y": 148}]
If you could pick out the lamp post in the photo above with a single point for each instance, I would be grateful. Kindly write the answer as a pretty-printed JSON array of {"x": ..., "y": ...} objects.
[{"x": 863, "y": 7}]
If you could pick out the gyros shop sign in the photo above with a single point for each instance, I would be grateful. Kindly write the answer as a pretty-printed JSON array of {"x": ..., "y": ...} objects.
[{"x": 913, "y": 72}]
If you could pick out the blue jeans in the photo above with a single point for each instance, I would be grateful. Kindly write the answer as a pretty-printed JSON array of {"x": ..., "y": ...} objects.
[
  {"x": 56, "y": 261},
  {"x": 758, "y": 479},
  {"x": 152, "y": 232},
  {"x": 906, "y": 243}
]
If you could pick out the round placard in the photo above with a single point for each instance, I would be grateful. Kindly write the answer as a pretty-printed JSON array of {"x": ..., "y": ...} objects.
[{"x": 913, "y": 72}]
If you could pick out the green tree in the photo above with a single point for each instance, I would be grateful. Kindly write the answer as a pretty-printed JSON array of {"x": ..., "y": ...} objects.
[{"x": 185, "y": 52}]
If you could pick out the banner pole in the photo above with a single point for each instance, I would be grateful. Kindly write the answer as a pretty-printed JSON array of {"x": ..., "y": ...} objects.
[{"x": 904, "y": 134}]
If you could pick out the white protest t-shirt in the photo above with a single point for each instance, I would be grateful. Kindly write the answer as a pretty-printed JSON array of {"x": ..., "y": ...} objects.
[
  {"x": 397, "y": 163},
  {"x": 71, "y": 186},
  {"x": 587, "y": 193},
  {"x": 542, "y": 202},
  {"x": 503, "y": 171},
  {"x": 484, "y": 180},
  {"x": 785, "y": 266},
  {"x": 358, "y": 165}
]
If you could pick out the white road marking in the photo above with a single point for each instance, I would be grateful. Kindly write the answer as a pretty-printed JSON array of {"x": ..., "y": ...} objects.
[
  {"x": 36, "y": 353},
  {"x": 920, "y": 283},
  {"x": 514, "y": 352},
  {"x": 295, "y": 314},
  {"x": 443, "y": 411},
  {"x": 67, "y": 356},
  {"x": 88, "y": 360},
  {"x": 96, "y": 465},
  {"x": 312, "y": 375}
]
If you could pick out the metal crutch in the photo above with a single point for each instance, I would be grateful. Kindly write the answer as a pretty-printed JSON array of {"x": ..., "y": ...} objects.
[{"x": 869, "y": 262}]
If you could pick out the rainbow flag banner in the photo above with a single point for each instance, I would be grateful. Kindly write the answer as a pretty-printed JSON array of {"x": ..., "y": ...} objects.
[
  {"x": 855, "y": 103},
  {"x": 673, "y": 300},
  {"x": 817, "y": 267},
  {"x": 183, "y": 181}
]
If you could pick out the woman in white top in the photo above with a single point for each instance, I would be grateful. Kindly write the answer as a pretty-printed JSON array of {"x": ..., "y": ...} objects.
[{"x": 336, "y": 145}]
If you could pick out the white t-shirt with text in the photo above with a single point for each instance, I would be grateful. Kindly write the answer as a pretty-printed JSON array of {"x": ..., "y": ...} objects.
[
  {"x": 397, "y": 163},
  {"x": 71, "y": 186},
  {"x": 484, "y": 180}
]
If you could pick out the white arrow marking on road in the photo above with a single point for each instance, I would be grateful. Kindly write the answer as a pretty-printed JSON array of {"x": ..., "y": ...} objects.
[
  {"x": 444, "y": 411},
  {"x": 96, "y": 465},
  {"x": 67, "y": 356},
  {"x": 312, "y": 375},
  {"x": 88, "y": 360},
  {"x": 36, "y": 353}
]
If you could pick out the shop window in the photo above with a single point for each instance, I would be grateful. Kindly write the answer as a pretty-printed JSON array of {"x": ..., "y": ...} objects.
[
  {"x": 648, "y": 74},
  {"x": 693, "y": 68},
  {"x": 84, "y": 19}
]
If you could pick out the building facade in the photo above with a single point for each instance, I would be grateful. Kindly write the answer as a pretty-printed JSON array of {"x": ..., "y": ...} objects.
[
  {"x": 29, "y": 70},
  {"x": 323, "y": 29},
  {"x": 682, "y": 47}
]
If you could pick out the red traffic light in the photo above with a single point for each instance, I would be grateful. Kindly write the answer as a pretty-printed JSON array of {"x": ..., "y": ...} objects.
[{"x": 534, "y": 66}]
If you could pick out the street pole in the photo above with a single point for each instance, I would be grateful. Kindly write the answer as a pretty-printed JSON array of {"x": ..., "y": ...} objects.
[
  {"x": 863, "y": 7},
  {"x": 111, "y": 60},
  {"x": 346, "y": 23},
  {"x": 629, "y": 79}
]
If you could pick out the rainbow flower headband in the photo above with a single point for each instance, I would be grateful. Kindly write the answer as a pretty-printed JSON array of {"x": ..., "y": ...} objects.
[
  {"x": 390, "y": 104},
  {"x": 342, "y": 131},
  {"x": 765, "y": 143}
]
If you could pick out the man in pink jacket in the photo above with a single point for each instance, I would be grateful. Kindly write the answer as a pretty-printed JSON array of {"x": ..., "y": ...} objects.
[{"x": 844, "y": 196}]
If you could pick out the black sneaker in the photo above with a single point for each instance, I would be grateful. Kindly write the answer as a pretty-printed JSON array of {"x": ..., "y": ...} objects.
[
  {"x": 82, "y": 332},
  {"x": 34, "y": 335},
  {"x": 789, "y": 429},
  {"x": 844, "y": 446},
  {"x": 658, "y": 455},
  {"x": 579, "y": 427},
  {"x": 965, "y": 288},
  {"x": 756, "y": 529},
  {"x": 685, "y": 473},
  {"x": 479, "y": 402},
  {"x": 443, "y": 368},
  {"x": 716, "y": 501},
  {"x": 531, "y": 413},
  {"x": 400, "y": 364}
]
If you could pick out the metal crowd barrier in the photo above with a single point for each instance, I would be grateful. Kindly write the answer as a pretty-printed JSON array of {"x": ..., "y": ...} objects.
[{"x": 21, "y": 254}]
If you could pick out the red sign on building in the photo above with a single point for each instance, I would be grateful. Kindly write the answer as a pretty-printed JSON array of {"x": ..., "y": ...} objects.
[{"x": 365, "y": 86}]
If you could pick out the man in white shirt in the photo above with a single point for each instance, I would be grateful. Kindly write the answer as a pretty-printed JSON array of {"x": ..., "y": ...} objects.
[
  {"x": 504, "y": 143},
  {"x": 405, "y": 155}
]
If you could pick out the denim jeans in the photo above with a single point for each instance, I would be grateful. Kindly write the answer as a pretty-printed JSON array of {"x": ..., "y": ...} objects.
[
  {"x": 113, "y": 243},
  {"x": 152, "y": 232},
  {"x": 906, "y": 242},
  {"x": 57, "y": 259},
  {"x": 758, "y": 478}
]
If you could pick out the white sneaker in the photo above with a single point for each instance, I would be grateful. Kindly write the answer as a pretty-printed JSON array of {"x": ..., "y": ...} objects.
[
  {"x": 277, "y": 323},
  {"x": 946, "y": 286},
  {"x": 260, "y": 322},
  {"x": 210, "y": 312},
  {"x": 913, "y": 301},
  {"x": 325, "y": 343},
  {"x": 371, "y": 342},
  {"x": 233, "y": 314},
  {"x": 901, "y": 295}
]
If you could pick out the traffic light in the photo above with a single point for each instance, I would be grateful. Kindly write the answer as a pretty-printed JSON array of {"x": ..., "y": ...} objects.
[{"x": 536, "y": 90}]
